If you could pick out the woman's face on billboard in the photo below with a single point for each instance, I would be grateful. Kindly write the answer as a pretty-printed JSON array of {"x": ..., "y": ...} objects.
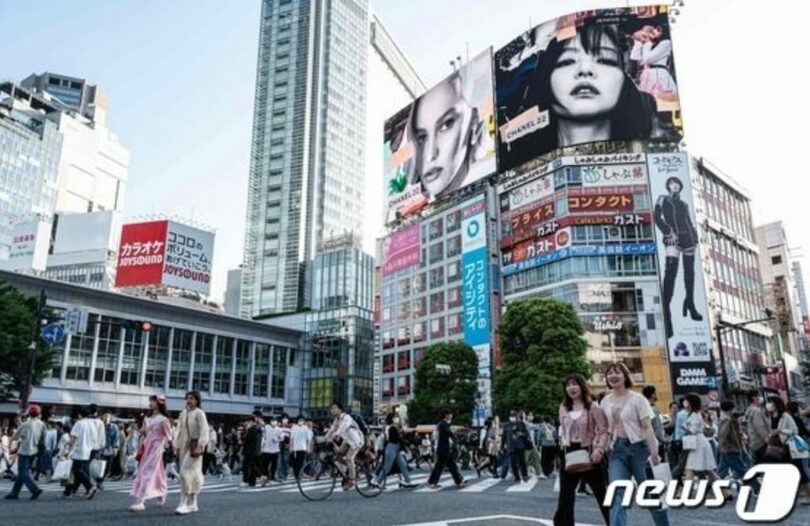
[
  {"x": 587, "y": 85},
  {"x": 439, "y": 132}
]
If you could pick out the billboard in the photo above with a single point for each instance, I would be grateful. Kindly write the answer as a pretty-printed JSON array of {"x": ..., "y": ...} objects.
[
  {"x": 165, "y": 253},
  {"x": 591, "y": 76},
  {"x": 30, "y": 241},
  {"x": 683, "y": 301},
  {"x": 401, "y": 250},
  {"x": 443, "y": 141}
]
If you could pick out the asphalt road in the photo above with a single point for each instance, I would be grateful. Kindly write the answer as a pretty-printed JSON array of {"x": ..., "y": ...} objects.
[{"x": 224, "y": 502}]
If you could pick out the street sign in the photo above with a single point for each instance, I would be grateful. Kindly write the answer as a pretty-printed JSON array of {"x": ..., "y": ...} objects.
[
  {"x": 53, "y": 333},
  {"x": 76, "y": 320}
]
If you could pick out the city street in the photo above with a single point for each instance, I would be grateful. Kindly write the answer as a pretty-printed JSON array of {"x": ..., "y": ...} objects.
[{"x": 484, "y": 502}]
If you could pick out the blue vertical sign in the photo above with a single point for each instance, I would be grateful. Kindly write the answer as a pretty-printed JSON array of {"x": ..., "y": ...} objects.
[{"x": 475, "y": 273}]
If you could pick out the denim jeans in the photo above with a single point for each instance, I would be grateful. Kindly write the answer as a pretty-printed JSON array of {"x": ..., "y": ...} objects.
[
  {"x": 738, "y": 465},
  {"x": 24, "y": 475},
  {"x": 630, "y": 460},
  {"x": 393, "y": 456}
]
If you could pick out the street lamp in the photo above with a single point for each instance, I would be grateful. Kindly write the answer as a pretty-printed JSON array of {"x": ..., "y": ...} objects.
[{"x": 723, "y": 327}]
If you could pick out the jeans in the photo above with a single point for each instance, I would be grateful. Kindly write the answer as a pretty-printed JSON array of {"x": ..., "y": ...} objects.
[
  {"x": 503, "y": 464},
  {"x": 630, "y": 460},
  {"x": 393, "y": 456},
  {"x": 24, "y": 475},
  {"x": 518, "y": 461},
  {"x": 736, "y": 463},
  {"x": 283, "y": 462}
]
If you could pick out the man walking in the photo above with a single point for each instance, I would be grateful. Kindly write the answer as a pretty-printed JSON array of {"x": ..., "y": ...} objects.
[
  {"x": 251, "y": 465},
  {"x": 533, "y": 453},
  {"x": 516, "y": 436},
  {"x": 676, "y": 446},
  {"x": 548, "y": 447},
  {"x": 110, "y": 449},
  {"x": 443, "y": 455},
  {"x": 83, "y": 437},
  {"x": 99, "y": 441},
  {"x": 729, "y": 444},
  {"x": 757, "y": 426},
  {"x": 29, "y": 437}
]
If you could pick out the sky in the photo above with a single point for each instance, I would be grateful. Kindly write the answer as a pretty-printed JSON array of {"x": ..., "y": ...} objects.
[{"x": 180, "y": 75}]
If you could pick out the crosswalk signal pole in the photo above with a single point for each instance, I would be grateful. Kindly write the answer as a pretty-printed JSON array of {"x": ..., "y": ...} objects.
[{"x": 32, "y": 348}]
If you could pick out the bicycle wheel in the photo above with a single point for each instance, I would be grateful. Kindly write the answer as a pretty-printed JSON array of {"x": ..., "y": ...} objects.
[
  {"x": 366, "y": 485},
  {"x": 318, "y": 480}
]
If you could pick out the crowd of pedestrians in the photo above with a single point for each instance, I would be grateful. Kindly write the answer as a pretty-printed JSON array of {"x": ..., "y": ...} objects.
[{"x": 592, "y": 441}]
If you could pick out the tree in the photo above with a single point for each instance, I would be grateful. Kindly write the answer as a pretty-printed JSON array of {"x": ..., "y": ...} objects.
[
  {"x": 445, "y": 378},
  {"x": 17, "y": 317},
  {"x": 541, "y": 343}
]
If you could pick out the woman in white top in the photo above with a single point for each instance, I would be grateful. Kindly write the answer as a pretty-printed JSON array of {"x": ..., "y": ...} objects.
[
  {"x": 632, "y": 438},
  {"x": 652, "y": 50},
  {"x": 784, "y": 431},
  {"x": 701, "y": 459}
]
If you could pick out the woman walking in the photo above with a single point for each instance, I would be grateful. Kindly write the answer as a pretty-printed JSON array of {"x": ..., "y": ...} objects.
[
  {"x": 393, "y": 454},
  {"x": 700, "y": 460},
  {"x": 783, "y": 431},
  {"x": 629, "y": 418},
  {"x": 150, "y": 478},
  {"x": 584, "y": 434},
  {"x": 192, "y": 436}
]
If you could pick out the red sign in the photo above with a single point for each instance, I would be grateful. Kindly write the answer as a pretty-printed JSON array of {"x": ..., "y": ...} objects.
[
  {"x": 141, "y": 254},
  {"x": 529, "y": 249},
  {"x": 549, "y": 227},
  {"x": 600, "y": 203}
]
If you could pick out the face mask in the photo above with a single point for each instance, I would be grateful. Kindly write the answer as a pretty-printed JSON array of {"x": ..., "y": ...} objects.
[
  {"x": 769, "y": 407},
  {"x": 512, "y": 419}
]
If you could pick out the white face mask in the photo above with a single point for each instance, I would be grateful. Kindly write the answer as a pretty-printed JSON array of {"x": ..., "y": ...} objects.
[
  {"x": 513, "y": 419},
  {"x": 769, "y": 407}
]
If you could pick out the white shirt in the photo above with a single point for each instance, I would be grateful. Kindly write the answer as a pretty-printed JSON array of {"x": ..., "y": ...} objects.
[
  {"x": 99, "y": 433},
  {"x": 635, "y": 410},
  {"x": 346, "y": 428},
  {"x": 271, "y": 439},
  {"x": 300, "y": 437},
  {"x": 85, "y": 433}
]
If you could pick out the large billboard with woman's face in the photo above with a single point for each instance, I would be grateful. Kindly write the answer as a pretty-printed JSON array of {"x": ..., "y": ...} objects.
[
  {"x": 588, "y": 77},
  {"x": 443, "y": 141}
]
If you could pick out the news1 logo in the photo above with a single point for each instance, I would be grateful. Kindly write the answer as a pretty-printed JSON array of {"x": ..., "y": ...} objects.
[{"x": 776, "y": 499}]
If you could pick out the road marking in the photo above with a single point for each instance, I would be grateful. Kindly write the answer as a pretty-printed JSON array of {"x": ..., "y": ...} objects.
[
  {"x": 523, "y": 488},
  {"x": 451, "y": 522},
  {"x": 482, "y": 486}
]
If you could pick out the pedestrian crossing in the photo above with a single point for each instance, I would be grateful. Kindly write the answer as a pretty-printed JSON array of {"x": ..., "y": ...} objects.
[{"x": 234, "y": 485}]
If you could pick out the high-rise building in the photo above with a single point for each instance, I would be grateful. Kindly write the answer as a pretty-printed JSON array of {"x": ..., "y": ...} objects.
[
  {"x": 94, "y": 165},
  {"x": 30, "y": 148},
  {"x": 781, "y": 295},
  {"x": 308, "y": 162}
]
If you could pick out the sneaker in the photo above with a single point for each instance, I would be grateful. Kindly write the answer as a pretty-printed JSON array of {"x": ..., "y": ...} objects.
[
  {"x": 434, "y": 486},
  {"x": 11, "y": 496},
  {"x": 35, "y": 495},
  {"x": 463, "y": 484},
  {"x": 182, "y": 510},
  {"x": 409, "y": 486},
  {"x": 137, "y": 507},
  {"x": 92, "y": 493},
  {"x": 193, "y": 509}
]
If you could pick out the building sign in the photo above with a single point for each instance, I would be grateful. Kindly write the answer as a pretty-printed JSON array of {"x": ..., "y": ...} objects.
[
  {"x": 594, "y": 294},
  {"x": 30, "y": 241},
  {"x": 165, "y": 253},
  {"x": 532, "y": 231},
  {"x": 442, "y": 142},
  {"x": 531, "y": 192},
  {"x": 613, "y": 175},
  {"x": 600, "y": 203},
  {"x": 683, "y": 293},
  {"x": 401, "y": 249},
  {"x": 631, "y": 249},
  {"x": 544, "y": 97},
  {"x": 529, "y": 249}
]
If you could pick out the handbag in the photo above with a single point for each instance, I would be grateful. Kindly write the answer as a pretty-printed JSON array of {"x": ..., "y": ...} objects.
[
  {"x": 689, "y": 442},
  {"x": 578, "y": 461},
  {"x": 776, "y": 451},
  {"x": 676, "y": 446},
  {"x": 98, "y": 468},
  {"x": 62, "y": 469},
  {"x": 140, "y": 451},
  {"x": 798, "y": 448}
]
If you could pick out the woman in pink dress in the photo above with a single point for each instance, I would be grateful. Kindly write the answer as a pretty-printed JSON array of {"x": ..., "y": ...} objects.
[{"x": 150, "y": 478}]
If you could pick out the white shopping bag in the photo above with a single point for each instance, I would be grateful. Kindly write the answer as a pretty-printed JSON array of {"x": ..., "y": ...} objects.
[
  {"x": 97, "y": 469},
  {"x": 62, "y": 469},
  {"x": 557, "y": 484}
]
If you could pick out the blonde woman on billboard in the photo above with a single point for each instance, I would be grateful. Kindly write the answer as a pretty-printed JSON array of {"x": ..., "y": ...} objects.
[
  {"x": 673, "y": 219},
  {"x": 448, "y": 136}
]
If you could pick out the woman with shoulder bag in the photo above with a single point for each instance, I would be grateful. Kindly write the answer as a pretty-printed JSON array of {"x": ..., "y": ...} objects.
[
  {"x": 785, "y": 431},
  {"x": 583, "y": 440},
  {"x": 701, "y": 458}
]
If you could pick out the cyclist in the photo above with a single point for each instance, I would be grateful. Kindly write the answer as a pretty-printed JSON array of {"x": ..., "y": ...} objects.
[{"x": 351, "y": 440}]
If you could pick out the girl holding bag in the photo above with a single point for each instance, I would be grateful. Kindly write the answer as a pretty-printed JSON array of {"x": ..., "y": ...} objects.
[
  {"x": 701, "y": 457},
  {"x": 584, "y": 440},
  {"x": 785, "y": 431}
]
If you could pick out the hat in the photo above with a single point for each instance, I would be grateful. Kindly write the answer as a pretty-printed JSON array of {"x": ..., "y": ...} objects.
[{"x": 34, "y": 410}]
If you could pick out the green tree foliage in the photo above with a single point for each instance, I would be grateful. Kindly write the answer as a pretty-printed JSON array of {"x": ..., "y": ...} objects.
[
  {"x": 541, "y": 342},
  {"x": 436, "y": 389},
  {"x": 17, "y": 317}
]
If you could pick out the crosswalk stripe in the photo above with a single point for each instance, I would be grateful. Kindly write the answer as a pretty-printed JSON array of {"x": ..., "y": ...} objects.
[
  {"x": 524, "y": 487},
  {"x": 481, "y": 486}
]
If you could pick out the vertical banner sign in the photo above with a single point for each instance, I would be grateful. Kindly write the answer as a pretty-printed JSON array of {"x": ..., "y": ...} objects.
[
  {"x": 141, "y": 254},
  {"x": 189, "y": 252},
  {"x": 401, "y": 250},
  {"x": 683, "y": 294},
  {"x": 477, "y": 313}
]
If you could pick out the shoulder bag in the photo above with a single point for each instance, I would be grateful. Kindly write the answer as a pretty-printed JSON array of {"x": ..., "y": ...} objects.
[
  {"x": 689, "y": 443},
  {"x": 579, "y": 460}
]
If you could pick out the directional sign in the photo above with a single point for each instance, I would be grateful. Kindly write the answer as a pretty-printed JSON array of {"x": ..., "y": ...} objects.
[
  {"x": 53, "y": 333},
  {"x": 76, "y": 320}
]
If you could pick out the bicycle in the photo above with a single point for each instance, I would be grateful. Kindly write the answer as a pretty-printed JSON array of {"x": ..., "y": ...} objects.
[{"x": 320, "y": 475}]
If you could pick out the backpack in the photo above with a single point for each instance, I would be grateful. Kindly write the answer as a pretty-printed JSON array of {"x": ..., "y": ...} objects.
[{"x": 361, "y": 423}]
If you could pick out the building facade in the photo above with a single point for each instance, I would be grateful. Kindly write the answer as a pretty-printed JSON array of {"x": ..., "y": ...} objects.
[
  {"x": 237, "y": 365},
  {"x": 319, "y": 65},
  {"x": 30, "y": 149},
  {"x": 731, "y": 263}
]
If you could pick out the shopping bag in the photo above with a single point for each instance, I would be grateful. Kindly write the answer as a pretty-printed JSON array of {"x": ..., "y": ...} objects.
[
  {"x": 62, "y": 469},
  {"x": 798, "y": 448},
  {"x": 689, "y": 442},
  {"x": 557, "y": 484},
  {"x": 98, "y": 468},
  {"x": 662, "y": 472}
]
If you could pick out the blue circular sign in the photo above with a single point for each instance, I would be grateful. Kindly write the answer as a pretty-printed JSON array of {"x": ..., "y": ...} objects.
[
  {"x": 53, "y": 333},
  {"x": 473, "y": 228}
]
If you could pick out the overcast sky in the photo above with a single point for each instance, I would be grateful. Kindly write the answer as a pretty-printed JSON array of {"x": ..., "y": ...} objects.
[{"x": 180, "y": 75}]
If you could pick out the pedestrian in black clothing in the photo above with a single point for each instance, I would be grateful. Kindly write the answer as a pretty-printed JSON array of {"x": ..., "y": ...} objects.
[
  {"x": 252, "y": 449},
  {"x": 516, "y": 439},
  {"x": 443, "y": 456}
]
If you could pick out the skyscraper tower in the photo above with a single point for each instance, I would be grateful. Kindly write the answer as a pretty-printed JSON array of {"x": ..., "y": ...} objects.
[{"x": 308, "y": 161}]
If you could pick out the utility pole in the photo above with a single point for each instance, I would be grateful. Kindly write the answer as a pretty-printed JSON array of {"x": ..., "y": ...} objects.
[{"x": 33, "y": 347}]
